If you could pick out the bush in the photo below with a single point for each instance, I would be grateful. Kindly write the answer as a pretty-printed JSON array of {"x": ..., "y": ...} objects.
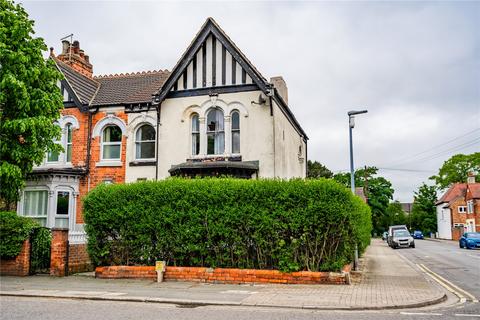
[
  {"x": 14, "y": 230},
  {"x": 263, "y": 224}
]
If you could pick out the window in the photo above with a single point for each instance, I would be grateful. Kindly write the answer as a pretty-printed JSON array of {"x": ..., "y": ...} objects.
[
  {"x": 145, "y": 142},
  {"x": 462, "y": 209},
  {"x": 195, "y": 135},
  {"x": 470, "y": 206},
  {"x": 111, "y": 143},
  {"x": 215, "y": 132},
  {"x": 53, "y": 156},
  {"x": 235, "y": 132},
  {"x": 63, "y": 209},
  {"x": 35, "y": 205},
  {"x": 68, "y": 142}
]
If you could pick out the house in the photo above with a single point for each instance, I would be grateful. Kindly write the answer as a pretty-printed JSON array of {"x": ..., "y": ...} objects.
[
  {"x": 458, "y": 210},
  {"x": 213, "y": 114}
]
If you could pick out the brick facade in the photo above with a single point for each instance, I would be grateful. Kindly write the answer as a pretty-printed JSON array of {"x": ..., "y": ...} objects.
[
  {"x": 59, "y": 252},
  {"x": 18, "y": 266},
  {"x": 224, "y": 275},
  {"x": 78, "y": 259}
]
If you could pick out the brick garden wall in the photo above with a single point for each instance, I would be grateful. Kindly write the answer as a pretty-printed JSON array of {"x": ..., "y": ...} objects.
[
  {"x": 18, "y": 266},
  {"x": 224, "y": 275},
  {"x": 78, "y": 259}
]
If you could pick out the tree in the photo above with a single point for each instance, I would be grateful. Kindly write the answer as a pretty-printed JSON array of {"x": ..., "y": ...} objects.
[
  {"x": 456, "y": 169},
  {"x": 30, "y": 100},
  {"x": 423, "y": 216},
  {"x": 318, "y": 170},
  {"x": 394, "y": 215},
  {"x": 378, "y": 191}
]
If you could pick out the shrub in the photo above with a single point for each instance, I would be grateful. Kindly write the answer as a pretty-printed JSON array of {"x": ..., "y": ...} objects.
[
  {"x": 263, "y": 224},
  {"x": 14, "y": 230}
]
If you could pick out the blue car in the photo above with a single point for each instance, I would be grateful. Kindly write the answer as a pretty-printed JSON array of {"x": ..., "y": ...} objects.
[
  {"x": 417, "y": 234},
  {"x": 470, "y": 240}
]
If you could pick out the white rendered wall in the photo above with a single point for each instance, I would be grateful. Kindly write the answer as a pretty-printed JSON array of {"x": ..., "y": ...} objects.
[{"x": 444, "y": 223}]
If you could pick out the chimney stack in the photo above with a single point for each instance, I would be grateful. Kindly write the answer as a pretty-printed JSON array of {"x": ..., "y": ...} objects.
[
  {"x": 76, "y": 58},
  {"x": 471, "y": 177},
  {"x": 281, "y": 86}
]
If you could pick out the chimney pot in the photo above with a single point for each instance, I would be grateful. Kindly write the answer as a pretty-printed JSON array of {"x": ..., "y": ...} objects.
[
  {"x": 51, "y": 52},
  {"x": 82, "y": 53},
  {"x": 87, "y": 58},
  {"x": 65, "y": 46}
]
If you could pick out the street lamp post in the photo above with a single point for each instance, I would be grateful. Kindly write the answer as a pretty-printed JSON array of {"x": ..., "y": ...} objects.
[{"x": 351, "y": 125}]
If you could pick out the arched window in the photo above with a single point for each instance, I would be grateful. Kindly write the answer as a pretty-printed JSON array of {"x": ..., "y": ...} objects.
[
  {"x": 68, "y": 142},
  {"x": 215, "y": 132},
  {"x": 53, "y": 156},
  {"x": 111, "y": 143},
  {"x": 195, "y": 135},
  {"x": 235, "y": 132},
  {"x": 145, "y": 142}
]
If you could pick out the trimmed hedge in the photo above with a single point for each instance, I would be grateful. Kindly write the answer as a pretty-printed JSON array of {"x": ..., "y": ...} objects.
[
  {"x": 14, "y": 230},
  {"x": 262, "y": 224}
]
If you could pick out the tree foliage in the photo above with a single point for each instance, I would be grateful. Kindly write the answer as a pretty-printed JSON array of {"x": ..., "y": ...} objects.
[
  {"x": 378, "y": 191},
  {"x": 456, "y": 169},
  {"x": 423, "y": 216},
  {"x": 30, "y": 100},
  {"x": 262, "y": 224},
  {"x": 317, "y": 170},
  {"x": 394, "y": 215}
]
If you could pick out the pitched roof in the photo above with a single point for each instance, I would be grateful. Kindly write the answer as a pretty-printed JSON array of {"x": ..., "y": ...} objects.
[
  {"x": 128, "y": 88},
  {"x": 83, "y": 87},
  {"x": 455, "y": 191},
  {"x": 475, "y": 190}
]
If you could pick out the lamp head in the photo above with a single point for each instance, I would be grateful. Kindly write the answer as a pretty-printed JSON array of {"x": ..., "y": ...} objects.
[{"x": 355, "y": 112}]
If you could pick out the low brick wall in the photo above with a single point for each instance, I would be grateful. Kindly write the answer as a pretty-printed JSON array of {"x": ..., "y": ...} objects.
[
  {"x": 224, "y": 275},
  {"x": 78, "y": 259},
  {"x": 18, "y": 266}
]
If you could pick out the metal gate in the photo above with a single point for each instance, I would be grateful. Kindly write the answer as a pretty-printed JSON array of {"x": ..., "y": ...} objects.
[{"x": 40, "y": 246}]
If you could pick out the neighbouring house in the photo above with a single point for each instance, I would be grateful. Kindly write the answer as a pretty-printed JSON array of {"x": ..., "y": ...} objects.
[
  {"x": 213, "y": 114},
  {"x": 407, "y": 207},
  {"x": 458, "y": 210}
]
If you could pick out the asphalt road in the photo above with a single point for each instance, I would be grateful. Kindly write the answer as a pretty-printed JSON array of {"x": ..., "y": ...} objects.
[
  {"x": 13, "y": 308},
  {"x": 459, "y": 266}
]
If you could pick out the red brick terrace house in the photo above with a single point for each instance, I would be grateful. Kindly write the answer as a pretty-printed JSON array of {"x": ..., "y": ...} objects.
[
  {"x": 458, "y": 210},
  {"x": 214, "y": 113}
]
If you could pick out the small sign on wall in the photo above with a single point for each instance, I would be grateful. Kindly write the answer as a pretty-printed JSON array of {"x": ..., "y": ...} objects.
[{"x": 160, "y": 269}]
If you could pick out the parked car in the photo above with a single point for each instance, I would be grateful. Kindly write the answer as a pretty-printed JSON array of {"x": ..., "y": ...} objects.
[
  {"x": 470, "y": 240},
  {"x": 391, "y": 229},
  {"x": 402, "y": 239},
  {"x": 417, "y": 234},
  {"x": 385, "y": 236}
]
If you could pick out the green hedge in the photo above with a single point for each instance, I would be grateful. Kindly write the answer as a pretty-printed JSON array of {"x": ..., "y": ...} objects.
[
  {"x": 264, "y": 224},
  {"x": 14, "y": 230}
]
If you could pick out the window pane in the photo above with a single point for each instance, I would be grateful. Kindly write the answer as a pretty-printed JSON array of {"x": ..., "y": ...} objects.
[
  {"x": 69, "y": 133},
  {"x": 69, "y": 153},
  {"x": 145, "y": 133},
  {"x": 62, "y": 202},
  {"x": 145, "y": 150},
  {"x": 211, "y": 120},
  {"x": 35, "y": 203},
  {"x": 211, "y": 143},
  {"x": 195, "y": 143},
  {"x": 195, "y": 123},
  {"x": 111, "y": 151},
  {"x": 236, "y": 142},
  {"x": 220, "y": 143},
  {"x": 53, "y": 156},
  {"x": 235, "y": 121},
  {"x": 112, "y": 134}
]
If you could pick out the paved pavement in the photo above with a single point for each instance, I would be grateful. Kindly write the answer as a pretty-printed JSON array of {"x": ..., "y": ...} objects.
[
  {"x": 386, "y": 281},
  {"x": 444, "y": 257}
]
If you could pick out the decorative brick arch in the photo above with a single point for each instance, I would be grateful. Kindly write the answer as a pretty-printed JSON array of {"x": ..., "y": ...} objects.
[{"x": 109, "y": 120}]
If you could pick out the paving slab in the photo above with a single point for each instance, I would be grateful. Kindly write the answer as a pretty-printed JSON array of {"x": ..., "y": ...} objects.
[{"x": 386, "y": 281}]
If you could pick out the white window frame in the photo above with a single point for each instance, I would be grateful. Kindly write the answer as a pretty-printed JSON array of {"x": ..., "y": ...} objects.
[
  {"x": 21, "y": 210},
  {"x": 462, "y": 209},
  {"x": 232, "y": 130},
  {"x": 142, "y": 141},
  {"x": 470, "y": 208},
  {"x": 216, "y": 132},
  {"x": 68, "y": 144},
  {"x": 71, "y": 207},
  {"x": 102, "y": 144},
  {"x": 60, "y": 154},
  {"x": 192, "y": 133}
]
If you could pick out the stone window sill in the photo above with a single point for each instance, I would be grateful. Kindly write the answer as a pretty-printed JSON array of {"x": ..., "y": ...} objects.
[
  {"x": 140, "y": 163},
  {"x": 109, "y": 164}
]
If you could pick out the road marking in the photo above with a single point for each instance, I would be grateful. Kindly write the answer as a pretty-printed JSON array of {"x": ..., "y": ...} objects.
[
  {"x": 466, "y": 315},
  {"x": 421, "y": 314},
  {"x": 471, "y": 255},
  {"x": 462, "y": 294}
]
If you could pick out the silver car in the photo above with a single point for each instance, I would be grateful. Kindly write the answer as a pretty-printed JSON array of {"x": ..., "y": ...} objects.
[{"x": 402, "y": 239}]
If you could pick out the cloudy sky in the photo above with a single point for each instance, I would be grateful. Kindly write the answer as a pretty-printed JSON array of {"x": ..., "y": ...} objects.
[{"x": 414, "y": 65}]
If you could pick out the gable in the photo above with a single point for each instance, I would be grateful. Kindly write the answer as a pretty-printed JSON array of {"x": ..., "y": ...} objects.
[{"x": 212, "y": 66}]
